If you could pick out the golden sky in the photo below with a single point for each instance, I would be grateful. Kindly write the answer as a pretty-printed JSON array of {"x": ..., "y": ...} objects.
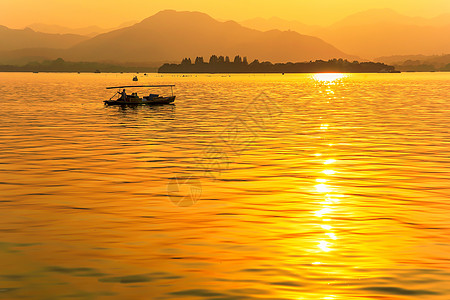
[{"x": 110, "y": 13}]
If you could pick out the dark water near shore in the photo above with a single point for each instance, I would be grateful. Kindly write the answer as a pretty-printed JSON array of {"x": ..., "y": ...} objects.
[{"x": 306, "y": 186}]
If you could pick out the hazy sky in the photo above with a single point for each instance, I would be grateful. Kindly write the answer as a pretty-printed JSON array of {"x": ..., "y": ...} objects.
[{"x": 109, "y": 13}]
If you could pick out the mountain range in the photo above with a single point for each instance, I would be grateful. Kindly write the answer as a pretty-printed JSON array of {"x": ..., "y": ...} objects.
[
  {"x": 169, "y": 35},
  {"x": 89, "y": 31},
  {"x": 418, "y": 62},
  {"x": 12, "y": 39},
  {"x": 373, "y": 33}
]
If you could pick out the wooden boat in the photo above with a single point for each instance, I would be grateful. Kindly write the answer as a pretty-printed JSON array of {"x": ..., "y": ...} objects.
[{"x": 134, "y": 99}]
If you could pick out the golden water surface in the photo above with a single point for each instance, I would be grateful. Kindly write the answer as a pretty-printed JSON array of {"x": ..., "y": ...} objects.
[{"x": 325, "y": 186}]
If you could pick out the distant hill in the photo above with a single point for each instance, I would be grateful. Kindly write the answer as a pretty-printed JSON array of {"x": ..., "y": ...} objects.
[
  {"x": 376, "y": 32},
  {"x": 281, "y": 24},
  {"x": 89, "y": 31},
  {"x": 12, "y": 39},
  {"x": 23, "y": 56},
  {"x": 418, "y": 62},
  {"x": 171, "y": 35},
  {"x": 384, "y": 15},
  {"x": 384, "y": 32},
  {"x": 438, "y": 59}
]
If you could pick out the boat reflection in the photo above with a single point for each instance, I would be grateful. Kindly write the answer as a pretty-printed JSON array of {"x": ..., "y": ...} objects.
[{"x": 161, "y": 112}]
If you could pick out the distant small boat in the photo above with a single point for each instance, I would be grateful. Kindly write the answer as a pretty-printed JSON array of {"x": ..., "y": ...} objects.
[
  {"x": 134, "y": 99},
  {"x": 135, "y": 78}
]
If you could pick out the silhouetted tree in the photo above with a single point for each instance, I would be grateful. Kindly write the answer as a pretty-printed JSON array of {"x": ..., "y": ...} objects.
[
  {"x": 239, "y": 65},
  {"x": 199, "y": 60},
  {"x": 186, "y": 61},
  {"x": 254, "y": 63},
  {"x": 213, "y": 59}
]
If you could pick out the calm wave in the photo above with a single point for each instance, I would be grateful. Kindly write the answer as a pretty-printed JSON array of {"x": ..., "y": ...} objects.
[{"x": 325, "y": 186}]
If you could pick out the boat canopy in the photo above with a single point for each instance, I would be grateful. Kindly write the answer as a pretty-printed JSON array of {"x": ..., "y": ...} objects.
[{"x": 137, "y": 86}]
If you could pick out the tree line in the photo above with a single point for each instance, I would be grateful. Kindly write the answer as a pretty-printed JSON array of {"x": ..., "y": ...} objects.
[
  {"x": 221, "y": 64},
  {"x": 60, "y": 65}
]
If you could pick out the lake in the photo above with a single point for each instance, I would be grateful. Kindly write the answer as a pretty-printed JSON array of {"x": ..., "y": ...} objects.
[{"x": 302, "y": 186}]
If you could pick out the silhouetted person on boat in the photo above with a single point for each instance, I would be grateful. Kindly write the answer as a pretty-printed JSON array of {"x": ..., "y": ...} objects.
[{"x": 124, "y": 95}]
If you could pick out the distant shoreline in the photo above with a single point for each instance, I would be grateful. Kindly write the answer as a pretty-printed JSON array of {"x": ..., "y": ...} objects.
[
  {"x": 214, "y": 73},
  {"x": 61, "y": 66},
  {"x": 216, "y": 65},
  {"x": 76, "y": 72}
]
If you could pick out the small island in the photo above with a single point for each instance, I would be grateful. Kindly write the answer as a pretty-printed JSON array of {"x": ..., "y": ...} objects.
[{"x": 221, "y": 64}]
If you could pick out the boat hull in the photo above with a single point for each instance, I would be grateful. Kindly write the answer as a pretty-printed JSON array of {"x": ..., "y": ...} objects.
[{"x": 153, "y": 101}]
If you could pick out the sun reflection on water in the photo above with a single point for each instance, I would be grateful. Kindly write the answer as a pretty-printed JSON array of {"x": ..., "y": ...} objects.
[
  {"x": 322, "y": 188},
  {"x": 325, "y": 214},
  {"x": 328, "y": 172},
  {"x": 328, "y": 78},
  {"x": 324, "y": 246}
]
